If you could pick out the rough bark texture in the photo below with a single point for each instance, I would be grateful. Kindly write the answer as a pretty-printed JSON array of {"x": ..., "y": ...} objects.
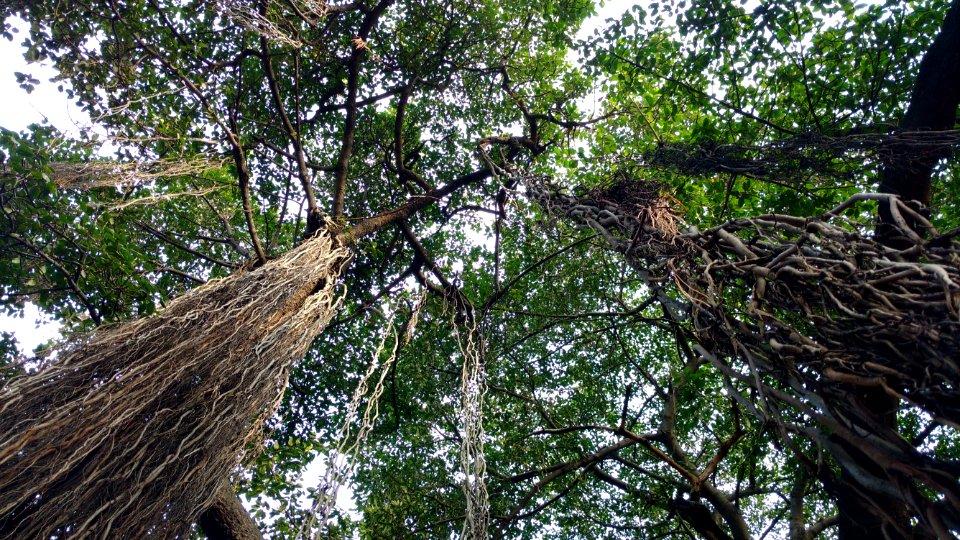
[
  {"x": 133, "y": 431},
  {"x": 227, "y": 519}
]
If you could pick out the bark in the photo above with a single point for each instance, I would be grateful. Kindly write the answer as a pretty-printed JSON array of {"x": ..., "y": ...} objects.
[
  {"x": 342, "y": 169},
  {"x": 227, "y": 519}
]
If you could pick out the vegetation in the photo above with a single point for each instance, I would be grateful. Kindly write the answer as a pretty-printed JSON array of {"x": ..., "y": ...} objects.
[{"x": 693, "y": 276}]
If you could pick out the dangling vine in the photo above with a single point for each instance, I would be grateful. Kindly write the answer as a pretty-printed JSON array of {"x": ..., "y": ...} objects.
[
  {"x": 473, "y": 389},
  {"x": 341, "y": 460}
]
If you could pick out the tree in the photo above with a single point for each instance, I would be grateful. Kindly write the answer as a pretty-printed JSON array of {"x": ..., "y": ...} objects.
[
  {"x": 672, "y": 387},
  {"x": 230, "y": 377}
]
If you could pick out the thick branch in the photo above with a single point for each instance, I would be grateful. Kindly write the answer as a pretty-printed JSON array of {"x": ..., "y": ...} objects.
[
  {"x": 350, "y": 124},
  {"x": 415, "y": 203},
  {"x": 933, "y": 107},
  {"x": 701, "y": 519},
  {"x": 243, "y": 177},
  {"x": 293, "y": 132}
]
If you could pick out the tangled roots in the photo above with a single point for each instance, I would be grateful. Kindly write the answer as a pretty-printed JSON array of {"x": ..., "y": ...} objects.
[
  {"x": 131, "y": 432},
  {"x": 810, "y": 314},
  {"x": 473, "y": 390}
]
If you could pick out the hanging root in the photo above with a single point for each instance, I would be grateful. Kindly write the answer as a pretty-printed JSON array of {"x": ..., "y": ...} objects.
[
  {"x": 473, "y": 390},
  {"x": 109, "y": 174},
  {"x": 132, "y": 432},
  {"x": 246, "y": 16},
  {"x": 341, "y": 460}
]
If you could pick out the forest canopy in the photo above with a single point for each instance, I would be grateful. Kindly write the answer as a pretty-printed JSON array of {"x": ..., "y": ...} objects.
[{"x": 691, "y": 274}]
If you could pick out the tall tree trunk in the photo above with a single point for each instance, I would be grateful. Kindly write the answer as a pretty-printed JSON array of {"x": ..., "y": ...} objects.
[
  {"x": 133, "y": 430},
  {"x": 933, "y": 107}
]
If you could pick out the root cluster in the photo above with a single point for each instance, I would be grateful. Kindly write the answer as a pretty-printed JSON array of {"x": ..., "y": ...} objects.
[
  {"x": 107, "y": 174},
  {"x": 473, "y": 464},
  {"x": 806, "y": 316}
]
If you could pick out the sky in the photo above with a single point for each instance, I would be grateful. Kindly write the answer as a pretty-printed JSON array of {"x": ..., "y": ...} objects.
[{"x": 21, "y": 109}]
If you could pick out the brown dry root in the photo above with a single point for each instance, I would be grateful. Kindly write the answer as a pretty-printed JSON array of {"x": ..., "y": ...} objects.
[
  {"x": 809, "y": 314},
  {"x": 131, "y": 433},
  {"x": 110, "y": 174}
]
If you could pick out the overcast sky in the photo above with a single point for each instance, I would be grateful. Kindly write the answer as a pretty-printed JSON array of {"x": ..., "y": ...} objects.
[{"x": 18, "y": 111}]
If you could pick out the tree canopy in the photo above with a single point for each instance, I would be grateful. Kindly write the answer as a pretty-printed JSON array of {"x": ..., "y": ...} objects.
[{"x": 621, "y": 285}]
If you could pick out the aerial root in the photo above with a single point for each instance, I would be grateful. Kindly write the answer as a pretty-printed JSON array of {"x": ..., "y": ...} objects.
[
  {"x": 341, "y": 460},
  {"x": 135, "y": 428},
  {"x": 800, "y": 312},
  {"x": 473, "y": 390}
]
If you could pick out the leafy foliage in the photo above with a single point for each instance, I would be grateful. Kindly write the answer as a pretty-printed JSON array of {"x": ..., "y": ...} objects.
[{"x": 599, "y": 422}]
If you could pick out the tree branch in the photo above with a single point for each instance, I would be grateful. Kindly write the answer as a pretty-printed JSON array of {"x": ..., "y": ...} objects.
[
  {"x": 415, "y": 203},
  {"x": 350, "y": 124},
  {"x": 313, "y": 212}
]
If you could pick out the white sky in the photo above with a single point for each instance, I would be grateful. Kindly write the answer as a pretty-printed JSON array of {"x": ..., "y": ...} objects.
[{"x": 20, "y": 110}]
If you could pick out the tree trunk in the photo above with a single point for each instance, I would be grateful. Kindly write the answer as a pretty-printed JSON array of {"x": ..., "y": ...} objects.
[
  {"x": 227, "y": 519},
  {"x": 933, "y": 107},
  {"x": 132, "y": 430}
]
